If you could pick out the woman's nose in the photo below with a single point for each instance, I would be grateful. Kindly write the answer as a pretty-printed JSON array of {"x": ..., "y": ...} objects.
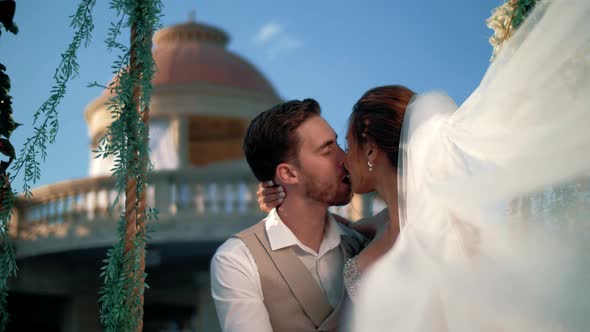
[{"x": 341, "y": 156}]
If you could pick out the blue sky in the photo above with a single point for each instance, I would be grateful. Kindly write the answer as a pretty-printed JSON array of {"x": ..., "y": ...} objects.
[{"x": 332, "y": 51}]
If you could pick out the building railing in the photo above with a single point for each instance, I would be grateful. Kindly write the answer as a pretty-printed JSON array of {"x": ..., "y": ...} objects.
[
  {"x": 220, "y": 190},
  {"x": 169, "y": 192}
]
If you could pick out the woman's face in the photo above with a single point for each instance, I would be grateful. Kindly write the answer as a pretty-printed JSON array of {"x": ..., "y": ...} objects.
[{"x": 361, "y": 179}]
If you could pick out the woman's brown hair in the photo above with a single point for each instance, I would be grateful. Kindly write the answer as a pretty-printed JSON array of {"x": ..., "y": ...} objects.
[{"x": 378, "y": 117}]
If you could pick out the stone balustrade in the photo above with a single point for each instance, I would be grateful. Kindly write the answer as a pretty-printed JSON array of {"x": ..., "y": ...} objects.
[{"x": 82, "y": 213}]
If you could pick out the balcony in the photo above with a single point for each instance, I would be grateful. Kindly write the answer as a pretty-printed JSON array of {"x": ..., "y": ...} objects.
[{"x": 201, "y": 204}]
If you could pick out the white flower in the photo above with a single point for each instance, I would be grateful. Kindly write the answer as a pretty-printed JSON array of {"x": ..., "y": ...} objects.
[{"x": 500, "y": 22}]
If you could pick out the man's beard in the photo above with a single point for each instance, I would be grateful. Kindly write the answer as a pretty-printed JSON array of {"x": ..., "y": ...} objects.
[{"x": 329, "y": 194}]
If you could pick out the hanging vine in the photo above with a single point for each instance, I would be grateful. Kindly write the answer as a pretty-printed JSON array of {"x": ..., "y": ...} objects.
[
  {"x": 7, "y": 126},
  {"x": 46, "y": 122},
  {"x": 45, "y": 131},
  {"x": 126, "y": 141}
]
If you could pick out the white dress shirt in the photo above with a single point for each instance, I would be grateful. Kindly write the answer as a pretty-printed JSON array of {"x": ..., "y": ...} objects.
[{"x": 235, "y": 282}]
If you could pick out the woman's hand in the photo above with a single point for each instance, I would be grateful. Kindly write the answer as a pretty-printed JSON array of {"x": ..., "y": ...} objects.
[{"x": 269, "y": 195}]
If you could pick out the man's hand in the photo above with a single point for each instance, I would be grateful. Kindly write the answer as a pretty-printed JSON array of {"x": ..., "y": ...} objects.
[{"x": 269, "y": 195}]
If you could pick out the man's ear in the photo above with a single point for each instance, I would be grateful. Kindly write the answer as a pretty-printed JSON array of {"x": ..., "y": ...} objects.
[{"x": 287, "y": 173}]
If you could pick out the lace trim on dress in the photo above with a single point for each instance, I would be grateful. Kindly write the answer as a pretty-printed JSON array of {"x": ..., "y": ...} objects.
[{"x": 352, "y": 277}]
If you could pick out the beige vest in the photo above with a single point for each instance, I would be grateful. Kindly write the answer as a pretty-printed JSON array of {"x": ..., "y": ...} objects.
[{"x": 293, "y": 298}]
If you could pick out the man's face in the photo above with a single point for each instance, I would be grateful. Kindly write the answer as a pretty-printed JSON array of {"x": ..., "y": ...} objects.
[{"x": 321, "y": 163}]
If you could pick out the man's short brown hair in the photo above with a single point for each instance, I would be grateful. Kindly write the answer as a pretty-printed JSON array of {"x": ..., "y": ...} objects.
[{"x": 271, "y": 138}]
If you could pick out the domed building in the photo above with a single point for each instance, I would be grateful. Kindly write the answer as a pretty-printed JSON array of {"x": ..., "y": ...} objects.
[{"x": 203, "y": 99}]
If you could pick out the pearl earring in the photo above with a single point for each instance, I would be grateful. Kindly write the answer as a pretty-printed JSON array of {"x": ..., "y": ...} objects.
[{"x": 370, "y": 166}]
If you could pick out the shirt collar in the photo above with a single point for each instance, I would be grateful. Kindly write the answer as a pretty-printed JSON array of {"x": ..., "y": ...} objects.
[{"x": 280, "y": 236}]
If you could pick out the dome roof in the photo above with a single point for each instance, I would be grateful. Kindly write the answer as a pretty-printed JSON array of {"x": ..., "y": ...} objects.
[{"x": 196, "y": 53}]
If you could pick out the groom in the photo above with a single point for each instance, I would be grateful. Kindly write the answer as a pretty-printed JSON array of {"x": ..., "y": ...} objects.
[{"x": 285, "y": 272}]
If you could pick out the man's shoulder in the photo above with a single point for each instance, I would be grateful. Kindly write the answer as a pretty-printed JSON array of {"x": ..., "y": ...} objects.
[
  {"x": 230, "y": 245},
  {"x": 231, "y": 257},
  {"x": 251, "y": 230},
  {"x": 235, "y": 247}
]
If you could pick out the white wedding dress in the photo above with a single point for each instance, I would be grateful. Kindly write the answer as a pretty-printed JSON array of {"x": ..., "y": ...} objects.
[{"x": 494, "y": 195}]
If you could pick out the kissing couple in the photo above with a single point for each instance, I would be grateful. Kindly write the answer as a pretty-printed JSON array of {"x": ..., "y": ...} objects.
[{"x": 445, "y": 255}]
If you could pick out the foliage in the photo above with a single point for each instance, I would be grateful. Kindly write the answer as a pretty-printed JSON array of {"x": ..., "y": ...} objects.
[
  {"x": 8, "y": 266},
  {"x": 126, "y": 141}
]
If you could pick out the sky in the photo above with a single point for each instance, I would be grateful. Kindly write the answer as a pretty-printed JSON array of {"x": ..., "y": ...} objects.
[{"x": 332, "y": 51}]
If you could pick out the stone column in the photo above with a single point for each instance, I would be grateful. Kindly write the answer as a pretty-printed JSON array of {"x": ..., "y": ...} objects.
[{"x": 180, "y": 125}]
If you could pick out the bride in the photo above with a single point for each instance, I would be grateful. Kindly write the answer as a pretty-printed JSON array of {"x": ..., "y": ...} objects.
[{"x": 489, "y": 200}]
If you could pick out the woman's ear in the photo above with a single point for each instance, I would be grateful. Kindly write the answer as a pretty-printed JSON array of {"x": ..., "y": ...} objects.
[
  {"x": 370, "y": 151},
  {"x": 287, "y": 173}
]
